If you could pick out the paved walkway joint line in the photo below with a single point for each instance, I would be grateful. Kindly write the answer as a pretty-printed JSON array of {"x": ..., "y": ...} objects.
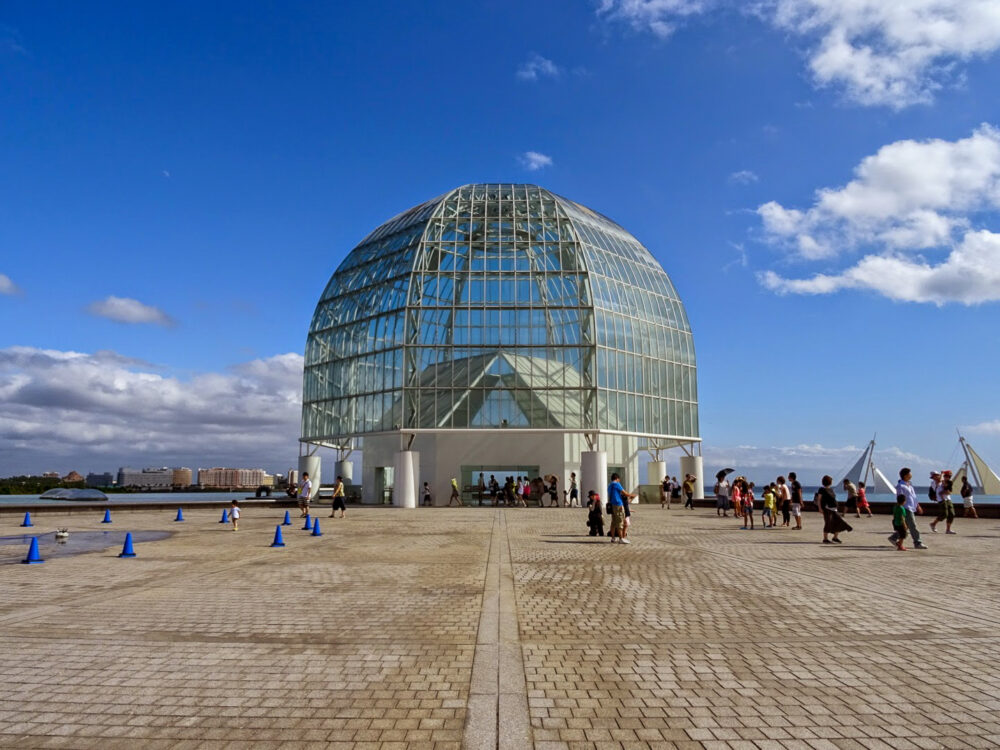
[{"x": 497, "y": 715}]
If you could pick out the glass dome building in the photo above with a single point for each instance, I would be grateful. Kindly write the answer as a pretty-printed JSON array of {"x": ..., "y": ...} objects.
[{"x": 498, "y": 328}]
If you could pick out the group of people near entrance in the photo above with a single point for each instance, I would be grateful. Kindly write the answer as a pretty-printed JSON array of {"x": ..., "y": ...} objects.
[{"x": 518, "y": 491}]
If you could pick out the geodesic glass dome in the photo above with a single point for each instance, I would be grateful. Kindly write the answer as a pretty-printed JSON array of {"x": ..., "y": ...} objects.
[{"x": 499, "y": 306}]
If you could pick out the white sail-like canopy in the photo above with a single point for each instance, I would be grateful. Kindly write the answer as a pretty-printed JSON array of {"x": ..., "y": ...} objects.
[
  {"x": 856, "y": 473},
  {"x": 864, "y": 470},
  {"x": 989, "y": 482},
  {"x": 882, "y": 485}
]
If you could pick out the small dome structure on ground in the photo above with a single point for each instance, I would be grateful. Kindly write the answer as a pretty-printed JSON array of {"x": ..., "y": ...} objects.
[{"x": 499, "y": 328}]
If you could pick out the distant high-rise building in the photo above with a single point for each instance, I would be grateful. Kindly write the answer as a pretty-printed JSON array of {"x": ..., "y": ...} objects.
[
  {"x": 222, "y": 477},
  {"x": 51, "y": 475},
  {"x": 149, "y": 478},
  {"x": 182, "y": 477},
  {"x": 100, "y": 480},
  {"x": 73, "y": 476},
  {"x": 293, "y": 477}
]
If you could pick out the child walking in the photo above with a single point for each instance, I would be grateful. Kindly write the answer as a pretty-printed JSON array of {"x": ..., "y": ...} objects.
[
  {"x": 863, "y": 501},
  {"x": 748, "y": 508},
  {"x": 234, "y": 515},
  {"x": 767, "y": 516},
  {"x": 899, "y": 522}
]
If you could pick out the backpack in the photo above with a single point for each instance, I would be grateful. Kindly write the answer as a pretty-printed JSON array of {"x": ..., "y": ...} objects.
[{"x": 932, "y": 493}]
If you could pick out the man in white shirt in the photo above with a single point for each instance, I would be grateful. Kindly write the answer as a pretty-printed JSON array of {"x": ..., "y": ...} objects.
[
  {"x": 905, "y": 489},
  {"x": 305, "y": 492}
]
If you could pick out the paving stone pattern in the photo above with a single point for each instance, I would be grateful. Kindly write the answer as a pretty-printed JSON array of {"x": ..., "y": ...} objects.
[{"x": 484, "y": 628}]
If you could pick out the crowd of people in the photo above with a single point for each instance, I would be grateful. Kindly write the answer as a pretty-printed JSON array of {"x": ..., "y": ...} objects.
[{"x": 783, "y": 497}]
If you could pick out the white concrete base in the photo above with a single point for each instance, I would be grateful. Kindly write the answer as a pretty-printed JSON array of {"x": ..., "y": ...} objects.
[
  {"x": 345, "y": 469},
  {"x": 594, "y": 473},
  {"x": 314, "y": 466},
  {"x": 693, "y": 465},
  {"x": 655, "y": 471},
  {"x": 407, "y": 479}
]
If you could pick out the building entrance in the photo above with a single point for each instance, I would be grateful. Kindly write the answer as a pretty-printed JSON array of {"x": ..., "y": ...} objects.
[{"x": 470, "y": 480}]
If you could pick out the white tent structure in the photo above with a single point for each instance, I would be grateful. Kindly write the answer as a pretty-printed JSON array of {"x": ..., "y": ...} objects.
[
  {"x": 983, "y": 479},
  {"x": 864, "y": 470}
]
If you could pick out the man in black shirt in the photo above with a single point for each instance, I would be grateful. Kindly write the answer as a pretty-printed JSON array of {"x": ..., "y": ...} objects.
[{"x": 796, "y": 500}]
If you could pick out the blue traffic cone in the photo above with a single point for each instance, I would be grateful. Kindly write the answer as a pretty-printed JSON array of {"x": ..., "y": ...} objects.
[
  {"x": 127, "y": 550},
  {"x": 278, "y": 541},
  {"x": 225, "y": 516},
  {"x": 180, "y": 515},
  {"x": 288, "y": 520},
  {"x": 107, "y": 516},
  {"x": 309, "y": 523},
  {"x": 316, "y": 531},
  {"x": 27, "y": 520},
  {"x": 33, "y": 557}
]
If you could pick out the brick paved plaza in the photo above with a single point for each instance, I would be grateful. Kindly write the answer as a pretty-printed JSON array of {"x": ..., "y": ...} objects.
[{"x": 486, "y": 628}]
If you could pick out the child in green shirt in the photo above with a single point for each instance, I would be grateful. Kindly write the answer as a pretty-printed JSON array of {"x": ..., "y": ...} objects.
[{"x": 899, "y": 522}]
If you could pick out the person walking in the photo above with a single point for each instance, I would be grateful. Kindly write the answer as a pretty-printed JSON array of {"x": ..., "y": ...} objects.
[
  {"x": 899, "y": 522},
  {"x": 234, "y": 514},
  {"x": 689, "y": 491},
  {"x": 574, "y": 491},
  {"x": 664, "y": 492},
  {"x": 852, "y": 497},
  {"x": 904, "y": 489},
  {"x": 783, "y": 500},
  {"x": 721, "y": 491},
  {"x": 427, "y": 499},
  {"x": 863, "y": 500},
  {"x": 946, "y": 509},
  {"x": 675, "y": 491},
  {"x": 339, "y": 501},
  {"x": 833, "y": 522},
  {"x": 553, "y": 491},
  {"x": 481, "y": 487},
  {"x": 456, "y": 496},
  {"x": 968, "y": 504},
  {"x": 796, "y": 491},
  {"x": 616, "y": 499},
  {"x": 736, "y": 497},
  {"x": 595, "y": 514},
  {"x": 305, "y": 493}
]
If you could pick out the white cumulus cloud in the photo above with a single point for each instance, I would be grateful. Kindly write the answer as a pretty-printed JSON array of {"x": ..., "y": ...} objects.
[
  {"x": 536, "y": 67},
  {"x": 533, "y": 161},
  {"x": 105, "y": 410},
  {"x": 127, "y": 310},
  {"x": 912, "y": 206},
  {"x": 7, "y": 286},
  {"x": 659, "y": 17},
  {"x": 877, "y": 52},
  {"x": 889, "y": 53},
  {"x": 970, "y": 275},
  {"x": 985, "y": 428},
  {"x": 743, "y": 177}
]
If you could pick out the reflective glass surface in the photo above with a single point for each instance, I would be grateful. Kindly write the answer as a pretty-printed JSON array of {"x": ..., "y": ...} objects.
[{"x": 499, "y": 306}]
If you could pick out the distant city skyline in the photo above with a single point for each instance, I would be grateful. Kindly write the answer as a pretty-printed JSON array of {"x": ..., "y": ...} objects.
[{"x": 820, "y": 180}]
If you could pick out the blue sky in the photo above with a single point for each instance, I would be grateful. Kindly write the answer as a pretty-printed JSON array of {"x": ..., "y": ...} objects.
[{"x": 820, "y": 178}]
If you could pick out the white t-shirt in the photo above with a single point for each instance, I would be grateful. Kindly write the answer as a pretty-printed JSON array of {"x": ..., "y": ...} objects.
[
  {"x": 234, "y": 513},
  {"x": 305, "y": 488}
]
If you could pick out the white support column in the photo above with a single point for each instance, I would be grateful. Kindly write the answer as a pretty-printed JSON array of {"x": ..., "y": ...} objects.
[
  {"x": 313, "y": 465},
  {"x": 693, "y": 465},
  {"x": 655, "y": 471},
  {"x": 345, "y": 469},
  {"x": 594, "y": 473},
  {"x": 406, "y": 481}
]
